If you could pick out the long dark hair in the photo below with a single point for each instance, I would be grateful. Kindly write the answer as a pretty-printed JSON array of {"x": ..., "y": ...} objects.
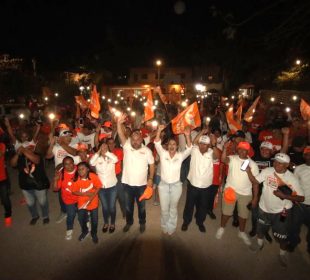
[
  {"x": 76, "y": 175},
  {"x": 63, "y": 167}
]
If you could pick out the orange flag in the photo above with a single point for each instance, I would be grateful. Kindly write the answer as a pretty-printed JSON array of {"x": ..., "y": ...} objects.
[
  {"x": 148, "y": 109},
  {"x": 81, "y": 101},
  {"x": 189, "y": 117},
  {"x": 248, "y": 117},
  {"x": 94, "y": 105},
  {"x": 305, "y": 110},
  {"x": 239, "y": 113},
  {"x": 233, "y": 124}
]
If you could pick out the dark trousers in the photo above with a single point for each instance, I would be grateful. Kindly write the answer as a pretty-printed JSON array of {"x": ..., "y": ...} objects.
[
  {"x": 121, "y": 194},
  {"x": 71, "y": 213},
  {"x": 300, "y": 216},
  {"x": 132, "y": 194},
  {"x": 63, "y": 207},
  {"x": 83, "y": 219},
  {"x": 5, "y": 199},
  {"x": 195, "y": 197},
  {"x": 211, "y": 193}
]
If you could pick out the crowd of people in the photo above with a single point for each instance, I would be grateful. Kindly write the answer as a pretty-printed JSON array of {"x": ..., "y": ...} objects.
[{"x": 261, "y": 172}]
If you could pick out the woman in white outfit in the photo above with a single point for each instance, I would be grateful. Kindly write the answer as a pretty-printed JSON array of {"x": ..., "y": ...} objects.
[
  {"x": 104, "y": 161},
  {"x": 170, "y": 186}
]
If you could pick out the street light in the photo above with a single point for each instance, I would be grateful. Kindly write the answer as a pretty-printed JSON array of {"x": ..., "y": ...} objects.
[
  {"x": 298, "y": 62},
  {"x": 158, "y": 64}
]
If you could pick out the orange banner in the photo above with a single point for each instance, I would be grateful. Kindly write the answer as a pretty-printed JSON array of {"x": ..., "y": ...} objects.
[
  {"x": 248, "y": 117},
  {"x": 239, "y": 113},
  {"x": 233, "y": 124},
  {"x": 148, "y": 109},
  {"x": 189, "y": 117},
  {"x": 305, "y": 110},
  {"x": 94, "y": 105}
]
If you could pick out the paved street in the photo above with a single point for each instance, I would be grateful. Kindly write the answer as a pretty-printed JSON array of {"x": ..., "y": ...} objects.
[{"x": 41, "y": 252}]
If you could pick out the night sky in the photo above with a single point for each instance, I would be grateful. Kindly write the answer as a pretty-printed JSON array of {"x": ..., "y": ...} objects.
[{"x": 120, "y": 34}]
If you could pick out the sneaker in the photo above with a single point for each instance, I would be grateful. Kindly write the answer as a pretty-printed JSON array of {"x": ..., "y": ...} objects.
[
  {"x": 283, "y": 260},
  {"x": 255, "y": 247},
  {"x": 61, "y": 217},
  {"x": 219, "y": 233},
  {"x": 212, "y": 215},
  {"x": 142, "y": 228},
  {"x": 245, "y": 238},
  {"x": 184, "y": 227},
  {"x": 69, "y": 234},
  {"x": 46, "y": 221},
  {"x": 126, "y": 228},
  {"x": 94, "y": 237},
  {"x": 83, "y": 236},
  {"x": 111, "y": 229},
  {"x": 105, "y": 228},
  {"x": 8, "y": 221},
  {"x": 33, "y": 221},
  {"x": 202, "y": 228}
]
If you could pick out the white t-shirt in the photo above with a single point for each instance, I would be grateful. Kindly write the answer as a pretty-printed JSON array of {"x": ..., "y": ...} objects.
[
  {"x": 25, "y": 144},
  {"x": 200, "y": 172},
  {"x": 105, "y": 168},
  {"x": 302, "y": 172},
  {"x": 87, "y": 139},
  {"x": 59, "y": 154},
  {"x": 171, "y": 167},
  {"x": 270, "y": 203},
  {"x": 135, "y": 164},
  {"x": 238, "y": 179}
]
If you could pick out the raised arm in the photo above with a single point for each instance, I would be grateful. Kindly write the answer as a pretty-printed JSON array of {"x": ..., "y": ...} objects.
[
  {"x": 188, "y": 138},
  {"x": 216, "y": 151},
  {"x": 224, "y": 157},
  {"x": 10, "y": 130},
  {"x": 285, "y": 133},
  {"x": 158, "y": 132},
  {"x": 96, "y": 140},
  {"x": 201, "y": 132},
  {"x": 52, "y": 141},
  {"x": 120, "y": 129},
  {"x": 36, "y": 133}
]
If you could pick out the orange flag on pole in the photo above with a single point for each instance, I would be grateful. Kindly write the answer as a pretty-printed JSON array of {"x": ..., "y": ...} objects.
[
  {"x": 94, "y": 105},
  {"x": 239, "y": 113},
  {"x": 148, "y": 109},
  {"x": 305, "y": 110},
  {"x": 233, "y": 124},
  {"x": 189, "y": 117},
  {"x": 81, "y": 101},
  {"x": 248, "y": 117}
]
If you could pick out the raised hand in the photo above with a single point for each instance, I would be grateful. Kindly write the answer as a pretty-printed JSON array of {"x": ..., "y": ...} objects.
[{"x": 187, "y": 131}]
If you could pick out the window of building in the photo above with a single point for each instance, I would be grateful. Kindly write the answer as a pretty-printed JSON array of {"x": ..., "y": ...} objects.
[{"x": 144, "y": 76}]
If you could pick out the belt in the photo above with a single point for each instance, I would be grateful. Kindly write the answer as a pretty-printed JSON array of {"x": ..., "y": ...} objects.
[{"x": 305, "y": 205}]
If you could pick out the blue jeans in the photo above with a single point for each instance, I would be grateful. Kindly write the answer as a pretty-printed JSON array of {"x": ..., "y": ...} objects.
[
  {"x": 108, "y": 202},
  {"x": 169, "y": 196},
  {"x": 71, "y": 212},
  {"x": 31, "y": 196},
  {"x": 83, "y": 219},
  {"x": 63, "y": 207},
  {"x": 132, "y": 194}
]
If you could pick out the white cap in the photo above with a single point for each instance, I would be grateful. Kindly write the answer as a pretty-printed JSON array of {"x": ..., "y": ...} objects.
[
  {"x": 267, "y": 145},
  {"x": 283, "y": 158},
  {"x": 204, "y": 139}
]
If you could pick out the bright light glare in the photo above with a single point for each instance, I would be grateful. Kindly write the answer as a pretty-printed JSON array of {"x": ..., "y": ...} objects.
[
  {"x": 200, "y": 87},
  {"x": 51, "y": 116}
]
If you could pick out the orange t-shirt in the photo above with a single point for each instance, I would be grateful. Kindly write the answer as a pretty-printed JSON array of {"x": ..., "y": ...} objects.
[
  {"x": 2, "y": 163},
  {"x": 87, "y": 185},
  {"x": 65, "y": 188},
  {"x": 118, "y": 166}
]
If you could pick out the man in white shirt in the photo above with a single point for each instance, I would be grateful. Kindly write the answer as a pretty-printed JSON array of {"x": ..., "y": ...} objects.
[
  {"x": 280, "y": 189},
  {"x": 87, "y": 136},
  {"x": 301, "y": 211},
  {"x": 200, "y": 178},
  {"x": 240, "y": 189},
  {"x": 138, "y": 160}
]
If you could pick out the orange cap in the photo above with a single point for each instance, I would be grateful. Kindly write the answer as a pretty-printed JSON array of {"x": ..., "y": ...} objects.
[
  {"x": 63, "y": 126},
  {"x": 244, "y": 145},
  {"x": 82, "y": 147},
  {"x": 307, "y": 150},
  {"x": 229, "y": 195}
]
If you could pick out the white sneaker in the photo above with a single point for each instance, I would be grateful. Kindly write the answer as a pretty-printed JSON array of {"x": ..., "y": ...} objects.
[
  {"x": 69, "y": 234},
  {"x": 219, "y": 233},
  {"x": 283, "y": 260},
  {"x": 245, "y": 238},
  {"x": 61, "y": 217}
]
